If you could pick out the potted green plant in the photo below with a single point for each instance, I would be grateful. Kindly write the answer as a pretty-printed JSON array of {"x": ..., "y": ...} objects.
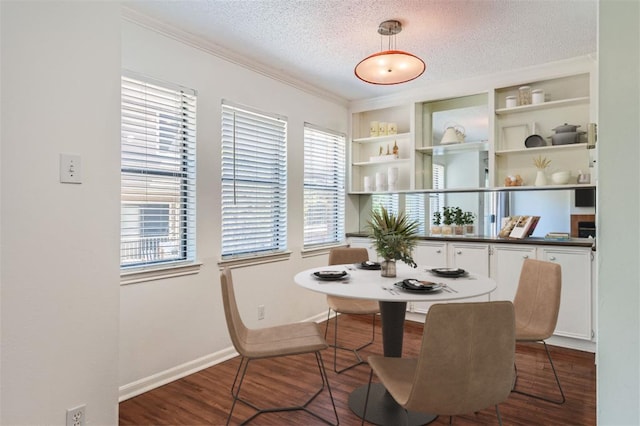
[
  {"x": 458, "y": 220},
  {"x": 447, "y": 221},
  {"x": 436, "y": 224},
  {"x": 394, "y": 238},
  {"x": 468, "y": 218}
]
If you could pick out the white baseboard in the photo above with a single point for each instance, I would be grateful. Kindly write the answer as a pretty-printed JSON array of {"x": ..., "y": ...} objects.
[{"x": 156, "y": 380}]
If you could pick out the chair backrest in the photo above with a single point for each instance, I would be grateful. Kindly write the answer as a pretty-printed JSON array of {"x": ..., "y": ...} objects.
[
  {"x": 237, "y": 330},
  {"x": 466, "y": 359},
  {"x": 344, "y": 255},
  {"x": 537, "y": 299}
]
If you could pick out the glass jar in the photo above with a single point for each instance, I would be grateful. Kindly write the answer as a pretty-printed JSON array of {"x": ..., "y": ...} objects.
[{"x": 524, "y": 95}]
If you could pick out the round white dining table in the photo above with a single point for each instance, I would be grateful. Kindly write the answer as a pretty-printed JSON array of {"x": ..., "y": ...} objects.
[{"x": 382, "y": 409}]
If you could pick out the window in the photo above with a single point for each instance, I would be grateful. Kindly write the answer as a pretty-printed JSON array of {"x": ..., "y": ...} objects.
[
  {"x": 436, "y": 200},
  {"x": 415, "y": 210},
  {"x": 158, "y": 174},
  {"x": 324, "y": 192},
  {"x": 388, "y": 201},
  {"x": 254, "y": 182}
]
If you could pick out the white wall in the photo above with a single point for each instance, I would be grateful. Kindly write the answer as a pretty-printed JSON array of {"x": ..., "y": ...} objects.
[
  {"x": 618, "y": 378},
  {"x": 170, "y": 327},
  {"x": 59, "y": 257}
]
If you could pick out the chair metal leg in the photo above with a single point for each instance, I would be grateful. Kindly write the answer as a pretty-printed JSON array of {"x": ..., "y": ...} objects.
[
  {"x": 553, "y": 368},
  {"x": 325, "y": 382},
  {"x": 335, "y": 345},
  {"x": 498, "y": 414}
]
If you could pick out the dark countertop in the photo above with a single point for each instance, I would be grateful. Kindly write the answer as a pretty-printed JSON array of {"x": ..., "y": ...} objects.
[{"x": 573, "y": 242}]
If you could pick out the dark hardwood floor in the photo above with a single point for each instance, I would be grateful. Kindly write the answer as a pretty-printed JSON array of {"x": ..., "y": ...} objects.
[{"x": 204, "y": 398}]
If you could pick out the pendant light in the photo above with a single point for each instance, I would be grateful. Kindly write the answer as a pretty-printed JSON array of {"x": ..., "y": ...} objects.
[{"x": 390, "y": 66}]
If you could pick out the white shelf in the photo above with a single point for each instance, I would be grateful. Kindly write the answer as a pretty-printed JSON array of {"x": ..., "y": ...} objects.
[
  {"x": 573, "y": 146},
  {"x": 374, "y": 163},
  {"x": 544, "y": 105},
  {"x": 459, "y": 147},
  {"x": 378, "y": 139}
]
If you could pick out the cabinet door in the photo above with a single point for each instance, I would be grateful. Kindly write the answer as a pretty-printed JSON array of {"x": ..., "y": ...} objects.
[
  {"x": 574, "y": 318},
  {"x": 428, "y": 254},
  {"x": 470, "y": 257},
  {"x": 506, "y": 266}
]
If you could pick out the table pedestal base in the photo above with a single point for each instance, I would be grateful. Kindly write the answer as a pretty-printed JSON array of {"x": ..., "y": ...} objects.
[{"x": 383, "y": 409}]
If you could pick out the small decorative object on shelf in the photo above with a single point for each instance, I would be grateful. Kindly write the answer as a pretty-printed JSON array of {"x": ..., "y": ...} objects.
[
  {"x": 458, "y": 219},
  {"x": 513, "y": 181},
  {"x": 447, "y": 221},
  {"x": 537, "y": 96},
  {"x": 367, "y": 184},
  {"x": 373, "y": 129},
  {"x": 436, "y": 224},
  {"x": 511, "y": 102},
  {"x": 395, "y": 148},
  {"x": 392, "y": 128},
  {"x": 468, "y": 219},
  {"x": 541, "y": 164},
  {"x": 382, "y": 129},
  {"x": 392, "y": 179},
  {"x": 394, "y": 238},
  {"x": 380, "y": 181}
]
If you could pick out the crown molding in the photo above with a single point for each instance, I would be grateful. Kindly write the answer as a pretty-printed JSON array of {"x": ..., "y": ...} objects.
[{"x": 228, "y": 55}]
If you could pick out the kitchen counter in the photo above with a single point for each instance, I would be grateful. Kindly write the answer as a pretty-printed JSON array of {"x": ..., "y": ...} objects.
[{"x": 572, "y": 242}]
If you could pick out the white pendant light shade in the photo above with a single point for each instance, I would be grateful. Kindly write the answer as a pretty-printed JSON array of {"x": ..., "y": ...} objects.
[{"x": 390, "y": 66}]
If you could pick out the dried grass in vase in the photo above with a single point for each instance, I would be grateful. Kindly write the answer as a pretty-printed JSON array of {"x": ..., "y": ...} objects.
[{"x": 541, "y": 162}]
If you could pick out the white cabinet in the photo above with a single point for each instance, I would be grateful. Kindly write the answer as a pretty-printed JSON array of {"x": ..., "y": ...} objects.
[
  {"x": 574, "y": 319},
  {"x": 433, "y": 254},
  {"x": 506, "y": 264},
  {"x": 472, "y": 257}
]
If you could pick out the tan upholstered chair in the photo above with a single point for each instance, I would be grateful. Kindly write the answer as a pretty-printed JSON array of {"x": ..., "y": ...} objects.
[
  {"x": 465, "y": 362},
  {"x": 537, "y": 302},
  {"x": 283, "y": 340},
  {"x": 343, "y": 305}
]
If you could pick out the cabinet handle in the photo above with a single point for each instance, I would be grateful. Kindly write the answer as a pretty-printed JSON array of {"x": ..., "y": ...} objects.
[
  {"x": 438, "y": 251},
  {"x": 459, "y": 252},
  {"x": 526, "y": 256},
  {"x": 552, "y": 258}
]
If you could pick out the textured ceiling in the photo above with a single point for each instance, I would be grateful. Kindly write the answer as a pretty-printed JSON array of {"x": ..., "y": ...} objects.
[{"x": 321, "y": 41}]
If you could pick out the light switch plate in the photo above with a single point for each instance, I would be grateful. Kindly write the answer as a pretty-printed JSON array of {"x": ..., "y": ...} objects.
[{"x": 70, "y": 168}]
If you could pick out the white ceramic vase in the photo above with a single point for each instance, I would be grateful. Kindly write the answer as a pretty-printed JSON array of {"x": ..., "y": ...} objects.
[{"x": 541, "y": 178}]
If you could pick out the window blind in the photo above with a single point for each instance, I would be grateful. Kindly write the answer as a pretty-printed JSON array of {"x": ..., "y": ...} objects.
[
  {"x": 254, "y": 182},
  {"x": 324, "y": 186},
  {"x": 415, "y": 210},
  {"x": 388, "y": 201},
  {"x": 436, "y": 200},
  {"x": 158, "y": 173}
]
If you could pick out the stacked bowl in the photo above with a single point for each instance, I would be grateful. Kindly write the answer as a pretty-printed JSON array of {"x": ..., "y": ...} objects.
[{"x": 566, "y": 134}]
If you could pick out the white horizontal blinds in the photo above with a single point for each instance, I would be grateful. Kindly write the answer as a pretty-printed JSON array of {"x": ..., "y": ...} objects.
[
  {"x": 436, "y": 200},
  {"x": 324, "y": 187},
  {"x": 415, "y": 210},
  {"x": 388, "y": 201},
  {"x": 158, "y": 173},
  {"x": 254, "y": 182}
]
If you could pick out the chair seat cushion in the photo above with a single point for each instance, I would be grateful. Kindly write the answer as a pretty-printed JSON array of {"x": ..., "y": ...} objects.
[
  {"x": 289, "y": 339},
  {"x": 346, "y": 305},
  {"x": 396, "y": 373}
]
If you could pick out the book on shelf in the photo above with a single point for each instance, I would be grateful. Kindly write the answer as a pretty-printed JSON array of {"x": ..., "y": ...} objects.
[
  {"x": 557, "y": 236},
  {"x": 519, "y": 226}
]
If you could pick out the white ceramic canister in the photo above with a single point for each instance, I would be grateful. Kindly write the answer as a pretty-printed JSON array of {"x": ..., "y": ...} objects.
[
  {"x": 537, "y": 96},
  {"x": 511, "y": 102}
]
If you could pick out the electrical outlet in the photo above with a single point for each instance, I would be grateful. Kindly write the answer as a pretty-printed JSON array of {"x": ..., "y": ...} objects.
[
  {"x": 260, "y": 312},
  {"x": 76, "y": 416}
]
